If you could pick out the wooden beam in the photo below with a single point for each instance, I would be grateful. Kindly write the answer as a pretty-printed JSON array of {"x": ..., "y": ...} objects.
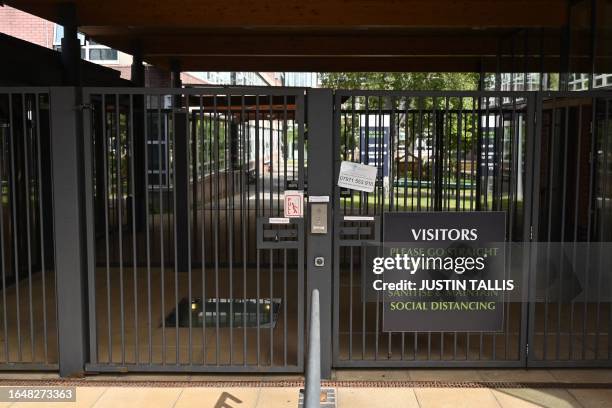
[
  {"x": 380, "y": 64},
  {"x": 317, "y": 45},
  {"x": 312, "y": 13}
]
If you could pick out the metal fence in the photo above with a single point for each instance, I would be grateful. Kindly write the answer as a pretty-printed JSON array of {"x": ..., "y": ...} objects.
[
  {"x": 570, "y": 300},
  {"x": 543, "y": 159},
  {"x": 190, "y": 273},
  {"x": 28, "y": 338},
  {"x": 191, "y": 265},
  {"x": 447, "y": 151}
]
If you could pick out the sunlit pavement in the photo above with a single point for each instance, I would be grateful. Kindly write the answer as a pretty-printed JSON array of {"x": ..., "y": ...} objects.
[{"x": 354, "y": 388}]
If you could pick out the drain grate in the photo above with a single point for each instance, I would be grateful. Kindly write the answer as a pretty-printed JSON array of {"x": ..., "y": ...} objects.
[{"x": 93, "y": 382}]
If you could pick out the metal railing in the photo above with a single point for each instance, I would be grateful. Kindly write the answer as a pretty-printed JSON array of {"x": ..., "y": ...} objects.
[{"x": 28, "y": 335}]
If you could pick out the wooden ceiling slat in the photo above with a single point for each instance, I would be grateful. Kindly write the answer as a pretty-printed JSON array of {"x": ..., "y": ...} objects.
[{"x": 321, "y": 13}]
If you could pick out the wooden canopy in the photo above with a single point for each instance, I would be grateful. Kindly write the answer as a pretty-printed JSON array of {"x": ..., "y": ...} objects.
[{"x": 345, "y": 35}]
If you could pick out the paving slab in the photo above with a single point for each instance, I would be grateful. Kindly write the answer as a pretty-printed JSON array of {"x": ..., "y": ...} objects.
[
  {"x": 529, "y": 397},
  {"x": 376, "y": 398},
  {"x": 455, "y": 397}
]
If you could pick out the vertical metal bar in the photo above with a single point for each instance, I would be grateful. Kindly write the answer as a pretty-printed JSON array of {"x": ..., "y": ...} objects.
[
  {"x": 458, "y": 159},
  {"x": 175, "y": 221},
  {"x": 133, "y": 193},
  {"x": 562, "y": 236},
  {"x": 551, "y": 158},
  {"x": 203, "y": 227},
  {"x": 26, "y": 153},
  {"x": 350, "y": 351},
  {"x": 378, "y": 142},
  {"x": 41, "y": 230},
  {"x": 106, "y": 198},
  {"x": 486, "y": 158},
  {"x": 512, "y": 185},
  {"x": 257, "y": 206},
  {"x": 229, "y": 169},
  {"x": 245, "y": 217},
  {"x": 337, "y": 207},
  {"x": 2, "y": 243},
  {"x": 605, "y": 205},
  {"x": 531, "y": 224},
  {"x": 390, "y": 150},
  {"x": 119, "y": 201},
  {"x": 474, "y": 181},
  {"x": 271, "y": 152},
  {"x": 216, "y": 135},
  {"x": 271, "y": 312},
  {"x": 286, "y": 156},
  {"x": 188, "y": 139},
  {"x": 592, "y": 164},
  {"x": 160, "y": 173},
  {"x": 575, "y": 234},
  {"x": 285, "y": 307},
  {"x": 605, "y": 141},
  {"x": 212, "y": 136},
  {"x": 147, "y": 236},
  {"x": 15, "y": 228},
  {"x": 420, "y": 165}
]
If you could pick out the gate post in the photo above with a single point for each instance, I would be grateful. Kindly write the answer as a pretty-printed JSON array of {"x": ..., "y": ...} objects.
[
  {"x": 69, "y": 229},
  {"x": 320, "y": 183}
]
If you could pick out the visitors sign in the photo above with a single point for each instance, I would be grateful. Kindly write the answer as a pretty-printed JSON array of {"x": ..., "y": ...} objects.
[{"x": 441, "y": 271}]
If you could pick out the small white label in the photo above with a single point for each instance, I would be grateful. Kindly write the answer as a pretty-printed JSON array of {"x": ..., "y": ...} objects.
[
  {"x": 357, "y": 218},
  {"x": 357, "y": 176},
  {"x": 318, "y": 199},
  {"x": 278, "y": 220},
  {"x": 294, "y": 204}
]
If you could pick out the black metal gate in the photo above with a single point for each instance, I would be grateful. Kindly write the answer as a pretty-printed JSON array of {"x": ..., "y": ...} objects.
[
  {"x": 189, "y": 270},
  {"x": 28, "y": 320},
  {"x": 434, "y": 151},
  {"x": 571, "y": 293}
]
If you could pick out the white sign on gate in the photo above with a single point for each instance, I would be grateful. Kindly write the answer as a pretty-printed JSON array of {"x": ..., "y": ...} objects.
[
  {"x": 357, "y": 176},
  {"x": 294, "y": 204}
]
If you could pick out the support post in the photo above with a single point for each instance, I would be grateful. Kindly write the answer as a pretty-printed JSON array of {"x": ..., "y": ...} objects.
[
  {"x": 593, "y": 43},
  {"x": 565, "y": 46},
  {"x": 320, "y": 183},
  {"x": 69, "y": 230},
  {"x": 137, "y": 69},
  {"x": 71, "y": 46}
]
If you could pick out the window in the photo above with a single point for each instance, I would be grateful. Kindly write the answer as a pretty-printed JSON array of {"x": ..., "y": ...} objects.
[{"x": 102, "y": 54}]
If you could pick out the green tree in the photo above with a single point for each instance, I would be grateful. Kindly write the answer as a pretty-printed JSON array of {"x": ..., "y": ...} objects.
[
  {"x": 452, "y": 127},
  {"x": 408, "y": 81}
]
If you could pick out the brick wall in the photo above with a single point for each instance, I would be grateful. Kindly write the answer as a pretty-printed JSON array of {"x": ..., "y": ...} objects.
[{"x": 26, "y": 27}]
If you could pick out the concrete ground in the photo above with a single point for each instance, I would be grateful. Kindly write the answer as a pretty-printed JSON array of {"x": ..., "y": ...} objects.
[{"x": 354, "y": 388}]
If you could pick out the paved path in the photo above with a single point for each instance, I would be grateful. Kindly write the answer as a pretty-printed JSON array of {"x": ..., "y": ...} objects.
[{"x": 564, "y": 388}]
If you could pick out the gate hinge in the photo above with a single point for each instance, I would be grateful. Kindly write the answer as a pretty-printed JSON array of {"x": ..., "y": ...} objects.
[
  {"x": 531, "y": 232},
  {"x": 527, "y": 349}
]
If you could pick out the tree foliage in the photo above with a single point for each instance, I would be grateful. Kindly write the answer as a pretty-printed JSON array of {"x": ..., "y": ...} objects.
[{"x": 408, "y": 81}]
